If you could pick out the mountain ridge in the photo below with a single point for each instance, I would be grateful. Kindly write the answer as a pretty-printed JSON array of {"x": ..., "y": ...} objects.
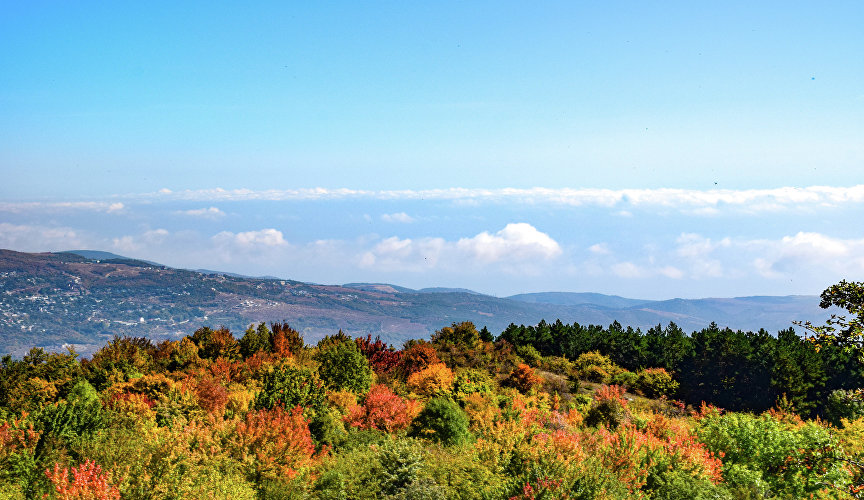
[{"x": 56, "y": 299}]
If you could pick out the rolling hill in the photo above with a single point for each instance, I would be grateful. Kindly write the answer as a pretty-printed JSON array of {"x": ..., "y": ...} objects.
[{"x": 56, "y": 299}]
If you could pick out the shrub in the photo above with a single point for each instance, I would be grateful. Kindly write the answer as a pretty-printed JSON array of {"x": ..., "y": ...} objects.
[
  {"x": 655, "y": 382},
  {"x": 609, "y": 408},
  {"x": 529, "y": 354},
  {"x": 523, "y": 379},
  {"x": 419, "y": 357},
  {"x": 381, "y": 358},
  {"x": 441, "y": 420},
  {"x": 435, "y": 380},
  {"x": 558, "y": 365},
  {"x": 275, "y": 443},
  {"x": 214, "y": 344},
  {"x": 783, "y": 459},
  {"x": 458, "y": 334},
  {"x": 176, "y": 355},
  {"x": 343, "y": 367},
  {"x": 595, "y": 374},
  {"x": 595, "y": 367},
  {"x": 381, "y": 410},
  {"x": 469, "y": 382},
  {"x": 212, "y": 396},
  {"x": 401, "y": 461},
  {"x": 87, "y": 482},
  {"x": 290, "y": 387},
  {"x": 847, "y": 405},
  {"x": 122, "y": 359},
  {"x": 625, "y": 379}
]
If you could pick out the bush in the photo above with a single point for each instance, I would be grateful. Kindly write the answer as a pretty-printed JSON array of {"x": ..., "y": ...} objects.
[
  {"x": 609, "y": 408},
  {"x": 435, "y": 380},
  {"x": 783, "y": 459},
  {"x": 471, "y": 381},
  {"x": 344, "y": 367},
  {"x": 595, "y": 374},
  {"x": 529, "y": 354},
  {"x": 596, "y": 367},
  {"x": 382, "y": 410},
  {"x": 290, "y": 387},
  {"x": 214, "y": 344},
  {"x": 847, "y": 405},
  {"x": 523, "y": 379},
  {"x": 382, "y": 359},
  {"x": 87, "y": 482},
  {"x": 275, "y": 443},
  {"x": 558, "y": 365},
  {"x": 419, "y": 357},
  {"x": 625, "y": 379},
  {"x": 458, "y": 334},
  {"x": 656, "y": 382},
  {"x": 441, "y": 420}
]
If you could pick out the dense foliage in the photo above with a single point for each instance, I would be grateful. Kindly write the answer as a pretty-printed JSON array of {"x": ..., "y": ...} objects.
[{"x": 543, "y": 411}]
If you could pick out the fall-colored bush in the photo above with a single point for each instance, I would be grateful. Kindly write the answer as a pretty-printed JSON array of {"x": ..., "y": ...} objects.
[
  {"x": 609, "y": 408},
  {"x": 177, "y": 355},
  {"x": 626, "y": 379},
  {"x": 287, "y": 341},
  {"x": 382, "y": 359},
  {"x": 595, "y": 367},
  {"x": 212, "y": 396},
  {"x": 382, "y": 410},
  {"x": 523, "y": 379},
  {"x": 434, "y": 380},
  {"x": 87, "y": 481},
  {"x": 418, "y": 357},
  {"x": 462, "y": 334},
  {"x": 275, "y": 443},
  {"x": 655, "y": 382},
  {"x": 471, "y": 381}
]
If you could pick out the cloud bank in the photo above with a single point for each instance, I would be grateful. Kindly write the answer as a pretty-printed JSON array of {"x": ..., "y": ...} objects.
[{"x": 700, "y": 202}]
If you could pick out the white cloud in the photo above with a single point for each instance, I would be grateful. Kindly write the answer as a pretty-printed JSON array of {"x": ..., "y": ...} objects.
[
  {"x": 692, "y": 201},
  {"x": 34, "y": 238},
  {"x": 517, "y": 241},
  {"x": 252, "y": 239},
  {"x": 148, "y": 240},
  {"x": 61, "y": 206},
  {"x": 397, "y": 217},
  {"x": 393, "y": 253},
  {"x": 516, "y": 244},
  {"x": 206, "y": 213},
  {"x": 808, "y": 252},
  {"x": 599, "y": 249}
]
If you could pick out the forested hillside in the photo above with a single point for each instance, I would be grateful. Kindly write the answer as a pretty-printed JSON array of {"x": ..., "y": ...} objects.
[
  {"x": 541, "y": 411},
  {"x": 51, "y": 300}
]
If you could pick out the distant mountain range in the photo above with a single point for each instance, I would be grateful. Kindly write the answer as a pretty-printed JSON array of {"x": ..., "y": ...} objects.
[{"x": 83, "y": 298}]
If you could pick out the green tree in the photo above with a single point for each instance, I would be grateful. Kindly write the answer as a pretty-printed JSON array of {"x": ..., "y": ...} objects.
[
  {"x": 214, "y": 344},
  {"x": 458, "y": 334},
  {"x": 841, "y": 330},
  {"x": 343, "y": 366},
  {"x": 290, "y": 387},
  {"x": 256, "y": 339},
  {"x": 441, "y": 420}
]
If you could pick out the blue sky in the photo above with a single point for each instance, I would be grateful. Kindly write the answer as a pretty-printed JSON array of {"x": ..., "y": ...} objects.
[{"x": 644, "y": 150}]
